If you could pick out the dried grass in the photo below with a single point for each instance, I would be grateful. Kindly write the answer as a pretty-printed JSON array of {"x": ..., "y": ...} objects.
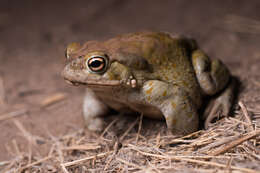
[
  {"x": 57, "y": 97},
  {"x": 227, "y": 146},
  {"x": 13, "y": 114}
]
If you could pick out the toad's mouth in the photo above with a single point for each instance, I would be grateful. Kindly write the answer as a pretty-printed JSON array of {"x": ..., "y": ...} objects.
[
  {"x": 76, "y": 78},
  {"x": 94, "y": 83}
]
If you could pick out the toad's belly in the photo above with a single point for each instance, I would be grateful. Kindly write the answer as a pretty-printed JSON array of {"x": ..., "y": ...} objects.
[{"x": 145, "y": 109}]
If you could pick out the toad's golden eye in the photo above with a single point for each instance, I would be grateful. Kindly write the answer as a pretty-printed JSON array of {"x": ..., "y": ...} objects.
[{"x": 97, "y": 64}]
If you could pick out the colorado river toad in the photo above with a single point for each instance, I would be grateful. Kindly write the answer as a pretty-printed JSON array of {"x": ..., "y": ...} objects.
[{"x": 154, "y": 73}]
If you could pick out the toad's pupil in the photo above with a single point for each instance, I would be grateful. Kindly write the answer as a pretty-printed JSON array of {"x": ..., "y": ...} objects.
[{"x": 95, "y": 63}]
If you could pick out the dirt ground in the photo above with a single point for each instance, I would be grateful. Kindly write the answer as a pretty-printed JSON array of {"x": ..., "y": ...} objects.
[{"x": 34, "y": 34}]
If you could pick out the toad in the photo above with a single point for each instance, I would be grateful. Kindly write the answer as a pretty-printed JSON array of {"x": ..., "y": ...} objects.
[{"x": 160, "y": 75}]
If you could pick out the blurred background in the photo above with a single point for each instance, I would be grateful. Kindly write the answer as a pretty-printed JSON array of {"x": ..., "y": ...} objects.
[{"x": 34, "y": 34}]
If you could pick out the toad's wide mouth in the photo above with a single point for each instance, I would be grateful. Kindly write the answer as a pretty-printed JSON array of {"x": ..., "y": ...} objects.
[
  {"x": 94, "y": 83},
  {"x": 74, "y": 78}
]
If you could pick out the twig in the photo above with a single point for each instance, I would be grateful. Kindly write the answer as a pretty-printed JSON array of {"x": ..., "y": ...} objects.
[
  {"x": 245, "y": 113},
  {"x": 153, "y": 166},
  {"x": 93, "y": 163},
  {"x": 51, "y": 150},
  {"x": 17, "y": 150},
  {"x": 129, "y": 164},
  {"x": 183, "y": 156},
  {"x": 128, "y": 130},
  {"x": 196, "y": 161},
  {"x": 108, "y": 127},
  {"x": 112, "y": 156},
  {"x": 9, "y": 150},
  {"x": 239, "y": 121},
  {"x": 204, "y": 141},
  {"x": 139, "y": 128},
  {"x": 235, "y": 143},
  {"x": 26, "y": 134},
  {"x": 218, "y": 143},
  {"x": 29, "y": 153},
  {"x": 2, "y": 163},
  {"x": 11, "y": 164},
  {"x": 85, "y": 159},
  {"x": 192, "y": 134},
  {"x": 13, "y": 114},
  {"x": 35, "y": 163},
  {"x": 248, "y": 151},
  {"x": 59, "y": 151},
  {"x": 52, "y": 99},
  {"x": 229, "y": 163},
  {"x": 82, "y": 147},
  {"x": 253, "y": 148},
  {"x": 256, "y": 111},
  {"x": 182, "y": 139},
  {"x": 247, "y": 117},
  {"x": 64, "y": 168}
]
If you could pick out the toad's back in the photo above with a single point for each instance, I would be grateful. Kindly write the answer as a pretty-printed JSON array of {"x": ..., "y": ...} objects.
[
  {"x": 163, "y": 56},
  {"x": 167, "y": 55}
]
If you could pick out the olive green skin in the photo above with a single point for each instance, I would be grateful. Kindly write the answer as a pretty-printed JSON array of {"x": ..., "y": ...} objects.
[{"x": 154, "y": 73}]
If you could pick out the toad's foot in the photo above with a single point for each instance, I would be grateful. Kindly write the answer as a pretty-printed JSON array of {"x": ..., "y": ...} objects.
[
  {"x": 96, "y": 124},
  {"x": 93, "y": 109},
  {"x": 221, "y": 105}
]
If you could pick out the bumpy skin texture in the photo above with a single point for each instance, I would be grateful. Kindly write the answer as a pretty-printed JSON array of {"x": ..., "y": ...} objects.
[{"x": 154, "y": 73}]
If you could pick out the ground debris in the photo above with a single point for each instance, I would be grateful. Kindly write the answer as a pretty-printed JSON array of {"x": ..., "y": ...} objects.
[{"x": 225, "y": 146}]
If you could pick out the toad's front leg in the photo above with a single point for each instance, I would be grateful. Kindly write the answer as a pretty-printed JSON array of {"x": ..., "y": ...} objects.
[
  {"x": 176, "y": 106},
  {"x": 93, "y": 109}
]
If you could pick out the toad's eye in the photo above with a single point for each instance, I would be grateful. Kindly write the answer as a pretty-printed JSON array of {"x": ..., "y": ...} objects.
[{"x": 97, "y": 64}]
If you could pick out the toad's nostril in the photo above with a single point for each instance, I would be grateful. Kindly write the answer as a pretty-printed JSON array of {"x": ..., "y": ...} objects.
[
  {"x": 69, "y": 82},
  {"x": 72, "y": 83},
  {"x": 75, "y": 83}
]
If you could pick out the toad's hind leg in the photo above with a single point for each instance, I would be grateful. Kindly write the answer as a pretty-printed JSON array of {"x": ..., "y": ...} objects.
[
  {"x": 93, "y": 109},
  {"x": 215, "y": 80},
  {"x": 212, "y": 75},
  {"x": 220, "y": 104}
]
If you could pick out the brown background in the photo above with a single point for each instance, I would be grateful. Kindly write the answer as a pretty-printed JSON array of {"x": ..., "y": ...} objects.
[{"x": 34, "y": 34}]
